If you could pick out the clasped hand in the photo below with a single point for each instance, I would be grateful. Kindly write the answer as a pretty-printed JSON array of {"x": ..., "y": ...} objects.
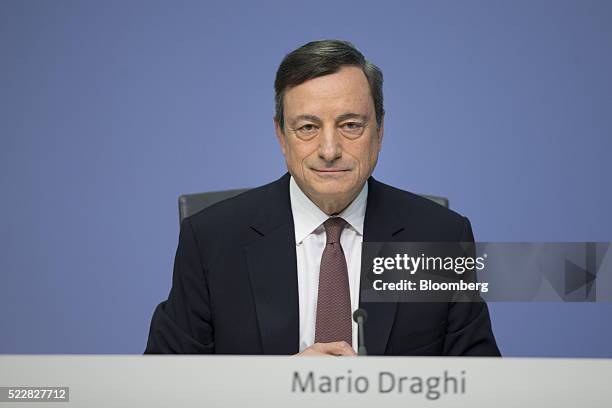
[{"x": 336, "y": 348}]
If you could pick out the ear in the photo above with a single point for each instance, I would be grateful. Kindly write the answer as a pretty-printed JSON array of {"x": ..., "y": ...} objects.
[
  {"x": 380, "y": 133},
  {"x": 280, "y": 135}
]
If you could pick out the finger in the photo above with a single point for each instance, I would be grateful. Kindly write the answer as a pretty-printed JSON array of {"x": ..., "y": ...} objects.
[
  {"x": 337, "y": 348},
  {"x": 310, "y": 352}
]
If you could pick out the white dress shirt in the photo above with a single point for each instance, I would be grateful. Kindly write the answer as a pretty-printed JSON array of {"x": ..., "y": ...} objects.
[{"x": 310, "y": 241}]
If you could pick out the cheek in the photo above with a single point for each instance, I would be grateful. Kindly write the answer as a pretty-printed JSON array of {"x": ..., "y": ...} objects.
[
  {"x": 298, "y": 153},
  {"x": 364, "y": 153},
  {"x": 373, "y": 150}
]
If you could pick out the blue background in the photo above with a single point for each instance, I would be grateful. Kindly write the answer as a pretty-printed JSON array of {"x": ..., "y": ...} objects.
[{"x": 109, "y": 110}]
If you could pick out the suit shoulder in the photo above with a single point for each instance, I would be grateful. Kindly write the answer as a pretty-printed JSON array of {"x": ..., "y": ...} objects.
[
  {"x": 412, "y": 204},
  {"x": 231, "y": 212}
]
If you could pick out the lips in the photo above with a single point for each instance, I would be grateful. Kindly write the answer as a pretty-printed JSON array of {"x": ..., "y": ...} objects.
[{"x": 330, "y": 170}]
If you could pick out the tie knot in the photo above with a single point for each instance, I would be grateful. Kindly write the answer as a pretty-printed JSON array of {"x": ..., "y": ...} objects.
[{"x": 333, "y": 229}]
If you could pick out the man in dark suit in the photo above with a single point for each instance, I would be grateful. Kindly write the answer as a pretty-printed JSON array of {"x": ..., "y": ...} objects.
[{"x": 276, "y": 270}]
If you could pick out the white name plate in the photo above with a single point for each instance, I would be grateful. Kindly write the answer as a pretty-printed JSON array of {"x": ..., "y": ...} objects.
[{"x": 243, "y": 381}]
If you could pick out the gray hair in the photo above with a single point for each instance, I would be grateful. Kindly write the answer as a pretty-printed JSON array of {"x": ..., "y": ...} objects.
[{"x": 325, "y": 57}]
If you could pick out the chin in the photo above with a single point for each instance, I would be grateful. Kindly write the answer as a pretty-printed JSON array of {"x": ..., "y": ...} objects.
[{"x": 333, "y": 188}]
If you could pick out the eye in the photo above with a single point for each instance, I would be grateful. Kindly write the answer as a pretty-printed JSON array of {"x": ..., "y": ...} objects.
[
  {"x": 307, "y": 128},
  {"x": 352, "y": 128},
  {"x": 306, "y": 131}
]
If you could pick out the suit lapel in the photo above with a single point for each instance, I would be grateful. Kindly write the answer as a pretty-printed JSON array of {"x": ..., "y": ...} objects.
[
  {"x": 272, "y": 267},
  {"x": 381, "y": 224}
]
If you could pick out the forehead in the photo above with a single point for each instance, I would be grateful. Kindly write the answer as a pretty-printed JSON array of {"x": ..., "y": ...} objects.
[{"x": 344, "y": 91}]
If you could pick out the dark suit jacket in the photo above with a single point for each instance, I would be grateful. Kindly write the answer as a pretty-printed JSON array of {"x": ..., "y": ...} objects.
[{"x": 235, "y": 290}]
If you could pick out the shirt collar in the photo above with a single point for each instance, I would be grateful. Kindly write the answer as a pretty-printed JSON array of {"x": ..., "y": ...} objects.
[{"x": 307, "y": 217}]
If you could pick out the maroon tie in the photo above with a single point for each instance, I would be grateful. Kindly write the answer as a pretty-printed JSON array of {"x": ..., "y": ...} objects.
[{"x": 334, "y": 301}]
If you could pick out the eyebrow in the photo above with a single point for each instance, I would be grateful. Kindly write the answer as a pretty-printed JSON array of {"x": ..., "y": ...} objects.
[
  {"x": 316, "y": 119},
  {"x": 349, "y": 115},
  {"x": 311, "y": 118}
]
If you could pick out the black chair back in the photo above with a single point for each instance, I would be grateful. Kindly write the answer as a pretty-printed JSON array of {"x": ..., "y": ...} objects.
[{"x": 190, "y": 204}]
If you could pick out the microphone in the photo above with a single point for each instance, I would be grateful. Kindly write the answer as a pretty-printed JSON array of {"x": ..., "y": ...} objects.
[{"x": 360, "y": 316}]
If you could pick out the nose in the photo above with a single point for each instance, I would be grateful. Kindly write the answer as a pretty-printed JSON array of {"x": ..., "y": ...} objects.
[{"x": 330, "y": 144}]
